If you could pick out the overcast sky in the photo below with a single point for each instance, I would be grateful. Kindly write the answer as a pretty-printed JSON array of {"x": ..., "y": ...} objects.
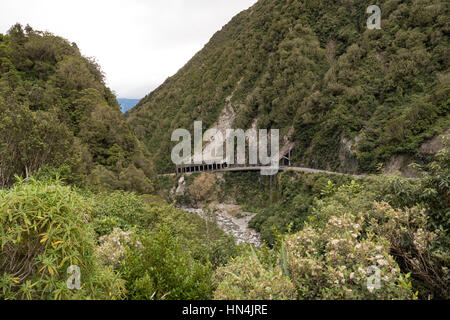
[{"x": 138, "y": 43}]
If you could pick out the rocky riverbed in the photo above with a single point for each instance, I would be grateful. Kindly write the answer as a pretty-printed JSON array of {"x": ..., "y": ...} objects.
[{"x": 231, "y": 219}]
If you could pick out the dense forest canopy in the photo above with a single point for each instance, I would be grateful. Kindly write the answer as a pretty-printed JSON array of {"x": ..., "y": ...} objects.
[
  {"x": 57, "y": 111},
  {"x": 356, "y": 97}
]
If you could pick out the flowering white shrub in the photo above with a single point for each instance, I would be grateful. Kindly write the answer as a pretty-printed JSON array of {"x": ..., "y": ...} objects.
[
  {"x": 113, "y": 246},
  {"x": 333, "y": 262}
]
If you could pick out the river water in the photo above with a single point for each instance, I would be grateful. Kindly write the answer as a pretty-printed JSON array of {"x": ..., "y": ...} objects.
[{"x": 232, "y": 220}]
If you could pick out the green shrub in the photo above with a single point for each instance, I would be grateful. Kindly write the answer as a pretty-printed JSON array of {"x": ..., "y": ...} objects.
[
  {"x": 332, "y": 262},
  {"x": 350, "y": 232},
  {"x": 429, "y": 262},
  {"x": 246, "y": 278},
  {"x": 112, "y": 247},
  {"x": 160, "y": 269},
  {"x": 297, "y": 193},
  {"x": 119, "y": 209},
  {"x": 44, "y": 229}
]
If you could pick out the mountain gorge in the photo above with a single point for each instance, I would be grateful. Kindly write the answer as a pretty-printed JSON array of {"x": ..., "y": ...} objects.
[
  {"x": 358, "y": 99},
  {"x": 84, "y": 186}
]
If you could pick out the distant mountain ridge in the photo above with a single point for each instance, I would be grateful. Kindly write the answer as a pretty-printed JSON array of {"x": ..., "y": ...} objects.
[{"x": 127, "y": 104}]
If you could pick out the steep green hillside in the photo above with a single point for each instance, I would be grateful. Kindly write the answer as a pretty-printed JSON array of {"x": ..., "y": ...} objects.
[
  {"x": 356, "y": 97},
  {"x": 56, "y": 112}
]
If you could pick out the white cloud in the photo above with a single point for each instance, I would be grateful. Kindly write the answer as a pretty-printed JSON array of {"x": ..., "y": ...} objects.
[{"x": 138, "y": 43}]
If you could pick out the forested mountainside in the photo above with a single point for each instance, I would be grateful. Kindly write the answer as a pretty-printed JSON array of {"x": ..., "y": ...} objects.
[
  {"x": 57, "y": 112},
  {"x": 355, "y": 97}
]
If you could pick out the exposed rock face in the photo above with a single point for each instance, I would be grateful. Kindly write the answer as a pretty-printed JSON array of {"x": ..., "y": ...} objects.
[
  {"x": 347, "y": 157},
  {"x": 435, "y": 144},
  {"x": 288, "y": 137},
  {"x": 400, "y": 163},
  {"x": 225, "y": 122},
  {"x": 227, "y": 117}
]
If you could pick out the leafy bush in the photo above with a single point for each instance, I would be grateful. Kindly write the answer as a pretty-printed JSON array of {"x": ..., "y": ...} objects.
[
  {"x": 418, "y": 250},
  {"x": 121, "y": 210},
  {"x": 44, "y": 229},
  {"x": 333, "y": 262},
  {"x": 246, "y": 278},
  {"x": 112, "y": 247},
  {"x": 297, "y": 192},
  {"x": 161, "y": 252},
  {"x": 350, "y": 231},
  {"x": 161, "y": 269},
  {"x": 421, "y": 242}
]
